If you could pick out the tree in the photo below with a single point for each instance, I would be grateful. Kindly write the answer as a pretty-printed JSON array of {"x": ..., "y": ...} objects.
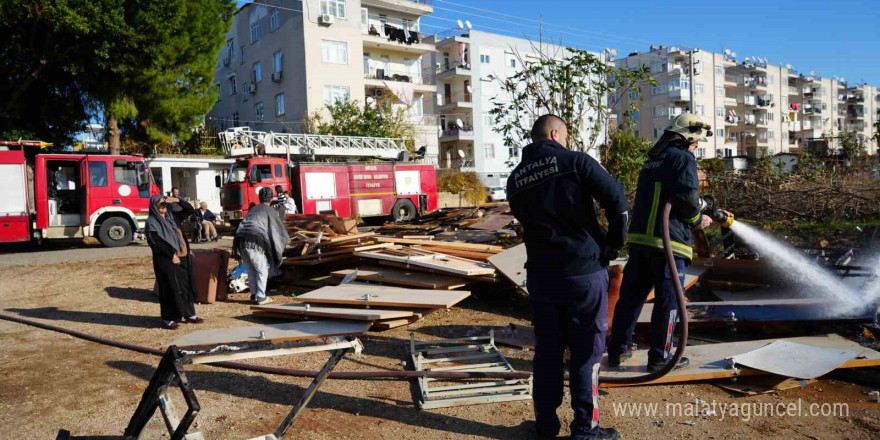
[
  {"x": 349, "y": 118},
  {"x": 623, "y": 157},
  {"x": 573, "y": 84},
  {"x": 467, "y": 182},
  {"x": 148, "y": 64}
]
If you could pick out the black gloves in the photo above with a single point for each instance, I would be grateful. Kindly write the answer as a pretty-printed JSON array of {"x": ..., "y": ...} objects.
[{"x": 608, "y": 254}]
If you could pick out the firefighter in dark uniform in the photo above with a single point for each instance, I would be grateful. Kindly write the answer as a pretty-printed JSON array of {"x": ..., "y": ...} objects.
[
  {"x": 551, "y": 193},
  {"x": 669, "y": 174}
]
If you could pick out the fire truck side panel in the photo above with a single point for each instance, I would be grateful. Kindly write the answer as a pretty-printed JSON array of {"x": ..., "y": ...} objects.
[
  {"x": 372, "y": 189},
  {"x": 14, "y": 215},
  {"x": 427, "y": 185},
  {"x": 324, "y": 188}
]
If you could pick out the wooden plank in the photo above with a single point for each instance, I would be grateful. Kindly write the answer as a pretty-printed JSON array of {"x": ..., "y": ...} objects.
[
  {"x": 351, "y": 237},
  {"x": 433, "y": 260},
  {"x": 386, "y": 275},
  {"x": 390, "y": 324},
  {"x": 708, "y": 361},
  {"x": 476, "y": 256},
  {"x": 445, "y": 244},
  {"x": 316, "y": 261},
  {"x": 292, "y": 331},
  {"x": 383, "y": 296},
  {"x": 482, "y": 278},
  {"x": 492, "y": 222},
  {"x": 334, "y": 312}
]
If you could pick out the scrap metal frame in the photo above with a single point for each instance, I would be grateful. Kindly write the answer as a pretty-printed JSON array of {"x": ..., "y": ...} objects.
[
  {"x": 459, "y": 355},
  {"x": 170, "y": 370}
]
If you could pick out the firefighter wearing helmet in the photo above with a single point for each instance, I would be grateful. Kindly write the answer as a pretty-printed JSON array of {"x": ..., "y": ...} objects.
[{"x": 669, "y": 174}]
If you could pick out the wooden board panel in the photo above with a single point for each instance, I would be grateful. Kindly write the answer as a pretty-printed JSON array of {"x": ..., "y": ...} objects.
[
  {"x": 800, "y": 361},
  {"x": 482, "y": 278},
  {"x": 708, "y": 361},
  {"x": 409, "y": 278},
  {"x": 450, "y": 244},
  {"x": 492, "y": 222},
  {"x": 292, "y": 331},
  {"x": 383, "y": 296},
  {"x": 334, "y": 312},
  {"x": 432, "y": 260},
  {"x": 769, "y": 310}
]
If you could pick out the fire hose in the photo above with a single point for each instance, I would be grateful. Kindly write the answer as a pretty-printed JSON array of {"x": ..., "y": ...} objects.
[{"x": 405, "y": 375}]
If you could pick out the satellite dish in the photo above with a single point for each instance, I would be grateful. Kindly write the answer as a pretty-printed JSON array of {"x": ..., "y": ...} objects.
[
  {"x": 461, "y": 154},
  {"x": 788, "y": 66},
  {"x": 459, "y": 123},
  {"x": 468, "y": 24},
  {"x": 470, "y": 89},
  {"x": 733, "y": 54},
  {"x": 812, "y": 73},
  {"x": 843, "y": 80},
  {"x": 727, "y": 51},
  {"x": 614, "y": 52},
  {"x": 460, "y": 24}
]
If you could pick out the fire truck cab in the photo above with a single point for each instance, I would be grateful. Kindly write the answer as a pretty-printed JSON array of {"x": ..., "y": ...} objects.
[{"x": 53, "y": 196}]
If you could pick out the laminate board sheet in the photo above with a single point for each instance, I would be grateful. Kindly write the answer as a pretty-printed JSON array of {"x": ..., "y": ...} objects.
[
  {"x": 299, "y": 309},
  {"x": 409, "y": 278},
  {"x": 289, "y": 331},
  {"x": 431, "y": 260},
  {"x": 800, "y": 361},
  {"x": 383, "y": 296}
]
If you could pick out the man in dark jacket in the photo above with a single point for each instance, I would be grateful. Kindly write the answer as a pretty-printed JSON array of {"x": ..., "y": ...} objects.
[
  {"x": 551, "y": 193},
  {"x": 669, "y": 174}
]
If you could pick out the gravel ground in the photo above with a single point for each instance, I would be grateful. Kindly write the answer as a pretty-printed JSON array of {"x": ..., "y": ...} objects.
[{"x": 50, "y": 381}]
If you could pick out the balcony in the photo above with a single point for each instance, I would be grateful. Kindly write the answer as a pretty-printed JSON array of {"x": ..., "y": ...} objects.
[
  {"x": 792, "y": 90},
  {"x": 731, "y": 81},
  {"x": 452, "y": 36},
  {"x": 457, "y": 134},
  {"x": 680, "y": 94},
  {"x": 730, "y": 102},
  {"x": 457, "y": 101},
  {"x": 394, "y": 39},
  {"x": 454, "y": 70},
  {"x": 416, "y": 7},
  {"x": 376, "y": 78}
]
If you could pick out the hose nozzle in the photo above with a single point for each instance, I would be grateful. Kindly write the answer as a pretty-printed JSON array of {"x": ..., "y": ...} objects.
[{"x": 711, "y": 209}]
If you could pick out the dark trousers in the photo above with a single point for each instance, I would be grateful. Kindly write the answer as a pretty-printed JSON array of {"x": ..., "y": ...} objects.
[
  {"x": 646, "y": 269},
  {"x": 568, "y": 312}
]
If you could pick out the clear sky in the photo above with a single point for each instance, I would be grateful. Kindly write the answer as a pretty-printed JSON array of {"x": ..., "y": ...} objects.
[{"x": 834, "y": 38}]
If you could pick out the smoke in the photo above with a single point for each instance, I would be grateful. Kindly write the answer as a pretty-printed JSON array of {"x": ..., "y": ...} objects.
[{"x": 814, "y": 280}]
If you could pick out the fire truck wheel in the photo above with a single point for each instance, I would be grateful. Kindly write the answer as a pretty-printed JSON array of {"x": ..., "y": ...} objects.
[
  {"x": 403, "y": 210},
  {"x": 115, "y": 232}
]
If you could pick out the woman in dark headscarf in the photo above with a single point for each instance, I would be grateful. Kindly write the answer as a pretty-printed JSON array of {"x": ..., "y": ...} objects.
[
  {"x": 259, "y": 243},
  {"x": 171, "y": 261}
]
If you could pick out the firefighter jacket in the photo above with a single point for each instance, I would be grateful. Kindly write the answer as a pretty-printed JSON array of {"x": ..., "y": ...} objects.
[
  {"x": 551, "y": 193},
  {"x": 669, "y": 174}
]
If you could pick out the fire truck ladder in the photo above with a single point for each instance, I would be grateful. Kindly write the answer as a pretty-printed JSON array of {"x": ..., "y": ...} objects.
[{"x": 242, "y": 141}]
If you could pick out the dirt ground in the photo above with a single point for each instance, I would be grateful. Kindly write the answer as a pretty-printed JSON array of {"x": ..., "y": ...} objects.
[{"x": 50, "y": 381}]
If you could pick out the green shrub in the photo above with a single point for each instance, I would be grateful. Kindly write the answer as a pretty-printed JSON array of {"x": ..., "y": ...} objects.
[{"x": 467, "y": 183}]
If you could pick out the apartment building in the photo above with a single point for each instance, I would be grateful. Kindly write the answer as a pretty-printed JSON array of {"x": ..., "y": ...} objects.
[
  {"x": 467, "y": 68},
  {"x": 755, "y": 108},
  {"x": 285, "y": 60}
]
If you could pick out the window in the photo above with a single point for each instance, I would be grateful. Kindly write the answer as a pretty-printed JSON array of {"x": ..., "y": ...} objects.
[
  {"x": 658, "y": 132},
  {"x": 490, "y": 150},
  {"x": 335, "y": 8},
  {"x": 235, "y": 120},
  {"x": 335, "y": 52},
  {"x": 699, "y": 88},
  {"x": 659, "y": 110},
  {"x": 275, "y": 19},
  {"x": 719, "y": 133},
  {"x": 636, "y": 116},
  {"x": 658, "y": 66},
  {"x": 244, "y": 92},
  {"x": 242, "y": 54},
  {"x": 719, "y": 70},
  {"x": 255, "y": 32},
  {"x": 416, "y": 109},
  {"x": 365, "y": 18},
  {"x": 487, "y": 120},
  {"x": 513, "y": 63},
  {"x": 513, "y": 151},
  {"x": 413, "y": 67},
  {"x": 134, "y": 174},
  {"x": 230, "y": 51},
  {"x": 98, "y": 173},
  {"x": 261, "y": 172},
  {"x": 698, "y": 67},
  {"x": 276, "y": 62},
  {"x": 278, "y": 171},
  {"x": 719, "y": 111},
  {"x": 683, "y": 84},
  {"x": 484, "y": 58},
  {"x": 719, "y": 90},
  {"x": 279, "y": 104},
  {"x": 257, "y": 72},
  {"x": 633, "y": 95},
  {"x": 332, "y": 94},
  {"x": 701, "y": 109},
  {"x": 232, "y": 86},
  {"x": 770, "y": 116},
  {"x": 701, "y": 152},
  {"x": 258, "y": 111},
  {"x": 659, "y": 89}
]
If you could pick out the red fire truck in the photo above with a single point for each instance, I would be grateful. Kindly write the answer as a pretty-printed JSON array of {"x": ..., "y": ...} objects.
[
  {"x": 390, "y": 186},
  {"x": 49, "y": 196}
]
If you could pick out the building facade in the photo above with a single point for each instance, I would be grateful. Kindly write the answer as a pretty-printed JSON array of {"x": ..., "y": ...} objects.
[
  {"x": 468, "y": 67},
  {"x": 755, "y": 108},
  {"x": 281, "y": 63}
]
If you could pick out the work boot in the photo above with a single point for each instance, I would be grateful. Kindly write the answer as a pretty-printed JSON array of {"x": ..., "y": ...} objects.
[
  {"x": 657, "y": 366},
  {"x": 614, "y": 360}
]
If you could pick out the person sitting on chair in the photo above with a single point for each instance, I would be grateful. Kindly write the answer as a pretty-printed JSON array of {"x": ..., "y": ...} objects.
[{"x": 206, "y": 221}]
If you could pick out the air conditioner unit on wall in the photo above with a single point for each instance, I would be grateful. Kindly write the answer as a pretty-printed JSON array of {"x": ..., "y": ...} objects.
[
  {"x": 252, "y": 89},
  {"x": 276, "y": 76},
  {"x": 325, "y": 19},
  {"x": 377, "y": 93}
]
